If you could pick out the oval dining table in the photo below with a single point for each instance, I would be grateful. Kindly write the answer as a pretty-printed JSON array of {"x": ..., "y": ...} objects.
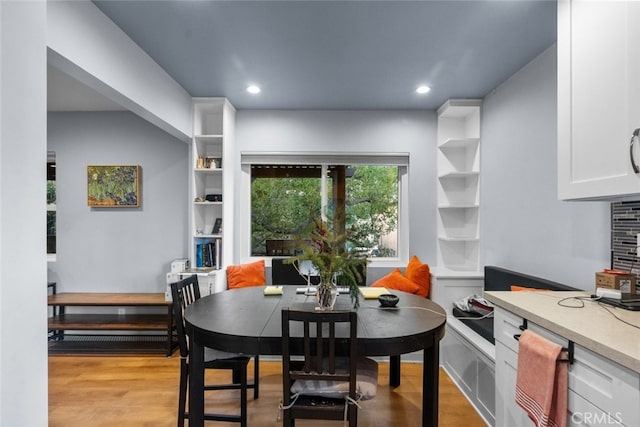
[{"x": 247, "y": 321}]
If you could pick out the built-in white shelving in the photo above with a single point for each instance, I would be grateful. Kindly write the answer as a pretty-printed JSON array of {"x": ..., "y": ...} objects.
[
  {"x": 451, "y": 175},
  {"x": 458, "y": 196},
  {"x": 211, "y": 183}
]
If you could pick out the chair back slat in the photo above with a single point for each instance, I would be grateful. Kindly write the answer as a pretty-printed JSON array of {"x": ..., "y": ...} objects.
[
  {"x": 307, "y": 348},
  {"x": 184, "y": 293},
  {"x": 319, "y": 348},
  {"x": 321, "y": 351},
  {"x": 332, "y": 348},
  {"x": 316, "y": 388}
]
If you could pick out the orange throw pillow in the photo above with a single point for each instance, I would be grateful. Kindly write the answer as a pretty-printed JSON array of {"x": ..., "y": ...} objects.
[
  {"x": 246, "y": 275},
  {"x": 419, "y": 273},
  {"x": 395, "y": 280}
]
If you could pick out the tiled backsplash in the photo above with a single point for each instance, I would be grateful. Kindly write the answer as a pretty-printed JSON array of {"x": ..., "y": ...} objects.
[{"x": 625, "y": 225}]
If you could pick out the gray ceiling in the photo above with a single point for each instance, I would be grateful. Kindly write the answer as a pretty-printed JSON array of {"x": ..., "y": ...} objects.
[{"x": 338, "y": 54}]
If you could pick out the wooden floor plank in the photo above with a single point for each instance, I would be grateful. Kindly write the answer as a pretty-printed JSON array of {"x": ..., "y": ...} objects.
[{"x": 143, "y": 391}]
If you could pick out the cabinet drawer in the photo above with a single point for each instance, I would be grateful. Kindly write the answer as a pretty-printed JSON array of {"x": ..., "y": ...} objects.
[
  {"x": 581, "y": 411},
  {"x": 605, "y": 384},
  {"x": 505, "y": 326},
  {"x": 545, "y": 333},
  {"x": 584, "y": 414}
]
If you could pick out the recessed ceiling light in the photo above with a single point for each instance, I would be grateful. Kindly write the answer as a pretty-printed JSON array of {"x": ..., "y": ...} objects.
[
  {"x": 423, "y": 89},
  {"x": 253, "y": 89}
]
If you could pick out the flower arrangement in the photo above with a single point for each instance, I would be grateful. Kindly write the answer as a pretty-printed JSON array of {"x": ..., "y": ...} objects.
[{"x": 326, "y": 249}]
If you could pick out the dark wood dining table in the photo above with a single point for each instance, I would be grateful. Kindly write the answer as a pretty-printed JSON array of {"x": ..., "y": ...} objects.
[{"x": 247, "y": 321}]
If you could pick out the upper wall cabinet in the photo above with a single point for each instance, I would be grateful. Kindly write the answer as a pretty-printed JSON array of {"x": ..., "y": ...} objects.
[
  {"x": 458, "y": 185},
  {"x": 598, "y": 99}
]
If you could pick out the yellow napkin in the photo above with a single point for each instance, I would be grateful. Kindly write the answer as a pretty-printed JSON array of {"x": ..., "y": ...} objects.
[
  {"x": 372, "y": 293},
  {"x": 273, "y": 290}
]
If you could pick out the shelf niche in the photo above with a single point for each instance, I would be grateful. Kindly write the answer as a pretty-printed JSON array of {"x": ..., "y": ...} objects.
[
  {"x": 458, "y": 189},
  {"x": 213, "y": 138}
]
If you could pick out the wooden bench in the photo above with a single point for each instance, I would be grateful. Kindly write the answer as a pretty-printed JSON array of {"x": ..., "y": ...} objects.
[{"x": 105, "y": 343}]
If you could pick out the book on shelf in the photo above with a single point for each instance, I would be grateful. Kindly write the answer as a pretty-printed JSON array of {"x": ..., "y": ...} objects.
[
  {"x": 217, "y": 226},
  {"x": 218, "y": 253},
  {"x": 208, "y": 254}
]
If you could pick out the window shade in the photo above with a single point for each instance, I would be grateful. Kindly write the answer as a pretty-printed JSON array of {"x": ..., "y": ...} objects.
[{"x": 288, "y": 158}]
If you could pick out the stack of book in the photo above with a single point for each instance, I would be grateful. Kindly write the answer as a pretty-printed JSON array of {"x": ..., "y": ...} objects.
[{"x": 208, "y": 254}]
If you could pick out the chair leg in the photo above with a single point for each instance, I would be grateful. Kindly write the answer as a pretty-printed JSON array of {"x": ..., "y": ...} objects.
[
  {"x": 353, "y": 416},
  {"x": 243, "y": 397},
  {"x": 239, "y": 374},
  {"x": 256, "y": 376},
  {"x": 182, "y": 398},
  {"x": 235, "y": 376},
  {"x": 286, "y": 421}
]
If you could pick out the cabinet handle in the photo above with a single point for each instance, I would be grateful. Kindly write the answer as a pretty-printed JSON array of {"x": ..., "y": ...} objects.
[
  {"x": 634, "y": 138},
  {"x": 522, "y": 327}
]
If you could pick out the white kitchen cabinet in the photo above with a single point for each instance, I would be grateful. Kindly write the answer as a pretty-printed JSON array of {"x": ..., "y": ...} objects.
[
  {"x": 507, "y": 412},
  {"x": 601, "y": 392},
  {"x": 598, "y": 98}
]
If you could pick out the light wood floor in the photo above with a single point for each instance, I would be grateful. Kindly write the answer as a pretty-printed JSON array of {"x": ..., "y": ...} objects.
[{"x": 143, "y": 391}]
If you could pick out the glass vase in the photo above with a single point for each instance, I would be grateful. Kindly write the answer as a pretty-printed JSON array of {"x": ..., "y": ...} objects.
[{"x": 327, "y": 294}]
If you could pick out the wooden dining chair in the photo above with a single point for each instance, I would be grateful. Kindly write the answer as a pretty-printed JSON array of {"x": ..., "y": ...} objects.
[
  {"x": 322, "y": 375},
  {"x": 184, "y": 293}
]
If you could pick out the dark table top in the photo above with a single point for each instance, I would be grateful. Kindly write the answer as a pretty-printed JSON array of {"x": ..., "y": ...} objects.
[{"x": 246, "y": 321}]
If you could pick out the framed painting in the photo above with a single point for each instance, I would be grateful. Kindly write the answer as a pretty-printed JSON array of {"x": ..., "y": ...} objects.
[{"x": 113, "y": 186}]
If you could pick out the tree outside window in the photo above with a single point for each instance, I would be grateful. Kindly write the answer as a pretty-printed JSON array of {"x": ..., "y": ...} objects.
[{"x": 284, "y": 198}]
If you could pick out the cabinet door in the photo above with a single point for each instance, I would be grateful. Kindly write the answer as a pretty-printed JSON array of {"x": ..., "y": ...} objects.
[
  {"x": 598, "y": 98},
  {"x": 508, "y": 413}
]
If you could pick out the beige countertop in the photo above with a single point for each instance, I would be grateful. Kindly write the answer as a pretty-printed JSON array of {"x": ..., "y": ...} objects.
[{"x": 593, "y": 326}]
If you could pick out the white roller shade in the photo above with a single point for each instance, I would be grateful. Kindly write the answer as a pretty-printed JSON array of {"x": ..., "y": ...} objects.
[{"x": 289, "y": 158}]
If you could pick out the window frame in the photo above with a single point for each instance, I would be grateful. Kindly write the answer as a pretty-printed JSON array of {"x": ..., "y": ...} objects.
[
  {"x": 394, "y": 159},
  {"x": 51, "y": 173}
]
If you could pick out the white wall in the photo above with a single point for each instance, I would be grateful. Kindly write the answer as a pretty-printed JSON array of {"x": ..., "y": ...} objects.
[
  {"x": 117, "y": 249},
  {"x": 413, "y": 132},
  {"x": 524, "y": 226},
  {"x": 23, "y": 323}
]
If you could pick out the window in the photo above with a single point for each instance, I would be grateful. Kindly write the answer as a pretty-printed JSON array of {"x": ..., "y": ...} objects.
[
  {"x": 281, "y": 199},
  {"x": 286, "y": 190},
  {"x": 51, "y": 202}
]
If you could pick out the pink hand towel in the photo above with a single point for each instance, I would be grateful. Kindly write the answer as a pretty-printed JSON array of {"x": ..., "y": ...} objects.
[{"x": 541, "y": 384}]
